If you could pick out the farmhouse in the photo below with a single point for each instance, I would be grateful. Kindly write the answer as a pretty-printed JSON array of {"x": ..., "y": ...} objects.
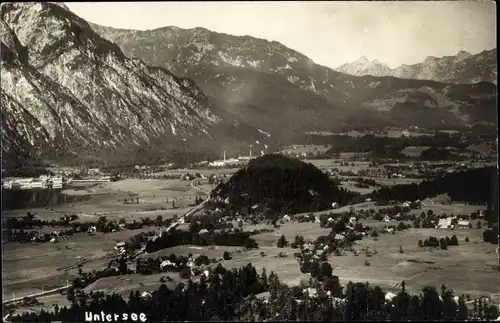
[
  {"x": 286, "y": 218},
  {"x": 444, "y": 223},
  {"x": 463, "y": 224},
  {"x": 120, "y": 245},
  {"x": 146, "y": 295},
  {"x": 389, "y": 296},
  {"x": 339, "y": 237},
  {"x": 167, "y": 263}
]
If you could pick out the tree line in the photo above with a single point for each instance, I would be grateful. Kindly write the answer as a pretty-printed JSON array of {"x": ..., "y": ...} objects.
[
  {"x": 474, "y": 186},
  {"x": 227, "y": 295}
]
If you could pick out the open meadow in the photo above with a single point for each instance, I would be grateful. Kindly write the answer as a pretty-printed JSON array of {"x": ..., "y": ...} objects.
[
  {"x": 154, "y": 197},
  {"x": 467, "y": 268},
  {"x": 29, "y": 266},
  {"x": 26, "y": 267}
]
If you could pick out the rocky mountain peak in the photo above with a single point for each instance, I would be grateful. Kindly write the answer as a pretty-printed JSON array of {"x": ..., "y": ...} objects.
[
  {"x": 49, "y": 30},
  {"x": 78, "y": 94},
  {"x": 363, "y": 60}
]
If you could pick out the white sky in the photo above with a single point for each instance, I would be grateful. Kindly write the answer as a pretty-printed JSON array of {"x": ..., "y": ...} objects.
[{"x": 330, "y": 33}]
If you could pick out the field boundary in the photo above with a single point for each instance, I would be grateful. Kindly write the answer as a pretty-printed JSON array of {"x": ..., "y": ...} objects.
[{"x": 45, "y": 293}]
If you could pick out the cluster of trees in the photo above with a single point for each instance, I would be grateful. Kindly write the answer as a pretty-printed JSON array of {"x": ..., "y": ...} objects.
[
  {"x": 14, "y": 228},
  {"x": 208, "y": 221},
  {"x": 491, "y": 235},
  {"x": 177, "y": 237},
  {"x": 227, "y": 295},
  {"x": 37, "y": 198},
  {"x": 178, "y": 264},
  {"x": 29, "y": 222},
  {"x": 473, "y": 186},
  {"x": 115, "y": 268},
  {"x": 443, "y": 242},
  {"x": 282, "y": 185}
]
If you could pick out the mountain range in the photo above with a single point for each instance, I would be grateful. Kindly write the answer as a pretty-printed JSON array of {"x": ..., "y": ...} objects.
[
  {"x": 268, "y": 84},
  {"x": 66, "y": 91},
  {"x": 463, "y": 68},
  {"x": 71, "y": 89}
]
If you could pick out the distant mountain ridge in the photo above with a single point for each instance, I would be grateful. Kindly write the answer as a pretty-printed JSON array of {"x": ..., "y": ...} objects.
[
  {"x": 463, "y": 68},
  {"x": 283, "y": 91},
  {"x": 74, "y": 89},
  {"x": 66, "y": 91}
]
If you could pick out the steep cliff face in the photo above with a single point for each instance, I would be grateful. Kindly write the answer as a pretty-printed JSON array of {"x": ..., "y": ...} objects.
[
  {"x": 463, "y": 68},
  {"x": 68, "y": 91},
  {"x": 256, "y": 78}
]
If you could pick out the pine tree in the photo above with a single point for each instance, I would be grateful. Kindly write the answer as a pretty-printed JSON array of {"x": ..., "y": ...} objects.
[
  {"x": 462, "y": 310},
  {"x": 415, "y": 312},
  {"x": 282, "y": 242},
  {"x": 263, "y": 279}
]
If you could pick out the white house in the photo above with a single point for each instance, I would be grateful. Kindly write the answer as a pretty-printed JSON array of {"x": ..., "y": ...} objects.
[
  {"x": 352, "y": 220},
  {"x": 387, "y": 218},
  {"x": 146, "y": 295},
  {"x": 389, "y": 296},
  {"x": 444, "y": 223},
  {"x": 334, "y": 205},
  {"x": 191, "y": 263},
  {"x": 339, "y": 237},
  {"x": 120, "y": 245},
  {"x": 463, "y": 224},
  {"x": 167, "y": 263},
  {"x": 312, "y": 292},
  {"x": 286, "y": 218},
  {"x": 53, "y": 240}
]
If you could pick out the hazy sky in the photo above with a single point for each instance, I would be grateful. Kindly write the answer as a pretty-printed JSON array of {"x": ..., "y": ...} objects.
[{"x": 330, "y": 33}]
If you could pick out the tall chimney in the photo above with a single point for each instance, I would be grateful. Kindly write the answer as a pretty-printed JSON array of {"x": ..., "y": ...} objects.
[
  {"x": 250, "y": 152},
  {"x": 224, "y": 156}
]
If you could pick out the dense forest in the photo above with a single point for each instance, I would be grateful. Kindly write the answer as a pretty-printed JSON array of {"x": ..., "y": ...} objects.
[
  {"x": 227, "y": 295},
  {"x": 282, "y": 185},
  {"x": 474, "y": 186}
]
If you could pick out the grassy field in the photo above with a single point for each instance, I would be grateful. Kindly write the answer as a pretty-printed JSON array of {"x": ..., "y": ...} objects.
[
  {"x": 350, "y": 185},
  {"x": 414, "y": 151},
  {"x": 107, "y": 199},
  {"x": 467, "y": 268},
  {"x": 26, "y": 267}
]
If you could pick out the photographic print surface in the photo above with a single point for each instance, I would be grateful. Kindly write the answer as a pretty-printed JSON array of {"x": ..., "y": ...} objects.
[{"x": 250, "y": 161}]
